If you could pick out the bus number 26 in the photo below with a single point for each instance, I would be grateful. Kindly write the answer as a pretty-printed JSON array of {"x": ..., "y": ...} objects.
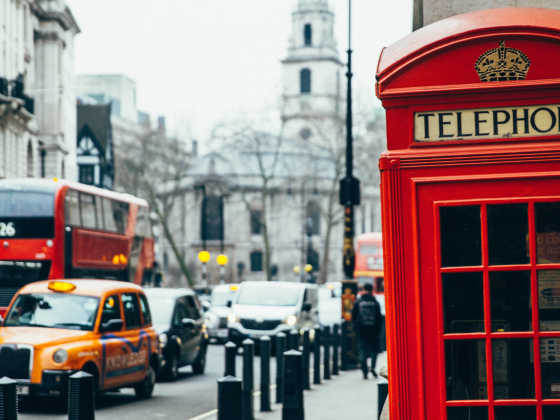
[{"x": 7, "y": 229}]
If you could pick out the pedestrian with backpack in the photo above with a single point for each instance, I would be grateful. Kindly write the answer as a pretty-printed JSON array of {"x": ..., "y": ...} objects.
[{"x": 366, "y": 315}]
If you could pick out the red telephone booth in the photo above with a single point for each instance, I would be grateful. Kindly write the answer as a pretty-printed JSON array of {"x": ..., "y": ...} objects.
[{"x": 471, "y": 217}]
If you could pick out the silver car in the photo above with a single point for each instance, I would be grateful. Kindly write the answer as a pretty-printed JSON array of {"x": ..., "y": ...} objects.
[{"x": 216, "y": 317}]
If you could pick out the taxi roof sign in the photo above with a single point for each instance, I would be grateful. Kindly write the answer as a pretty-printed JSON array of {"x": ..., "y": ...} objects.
[
  {"x": 233, "y": 287},
  {"x": 61, "y": 286}
]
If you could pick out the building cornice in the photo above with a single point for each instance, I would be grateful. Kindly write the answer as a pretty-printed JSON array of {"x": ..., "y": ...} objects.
[
  {"x": 65, "y": 18},
  {"x": 311, "y": 58}
]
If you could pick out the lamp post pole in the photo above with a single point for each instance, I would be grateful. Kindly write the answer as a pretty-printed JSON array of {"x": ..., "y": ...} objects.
[{"x": 349, "y": 186}]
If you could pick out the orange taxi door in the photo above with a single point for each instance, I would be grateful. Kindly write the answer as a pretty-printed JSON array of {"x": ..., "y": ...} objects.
[
  {"x": 112, "y": 346},
  {"x": 135, "y": 340}
]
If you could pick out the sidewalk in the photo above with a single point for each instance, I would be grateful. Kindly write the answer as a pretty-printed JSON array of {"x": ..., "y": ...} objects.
[{"x": 346, "y": 395}]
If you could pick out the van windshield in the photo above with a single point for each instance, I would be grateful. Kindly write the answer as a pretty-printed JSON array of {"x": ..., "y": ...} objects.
[{"x": 268, "y": 295}]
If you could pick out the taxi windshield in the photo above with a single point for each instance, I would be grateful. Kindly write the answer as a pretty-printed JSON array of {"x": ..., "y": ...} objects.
[{"x": 65, "y": 311}]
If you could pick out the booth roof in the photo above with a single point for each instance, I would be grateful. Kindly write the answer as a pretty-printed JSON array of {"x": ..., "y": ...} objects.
[{"x": 480, "y": 21}]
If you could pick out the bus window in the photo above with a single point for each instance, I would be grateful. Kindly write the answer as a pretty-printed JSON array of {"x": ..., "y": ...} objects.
[
  {"x": 110, "y": 224},
  {"x": 99, "y": 212},
  {"x": 143, "y": 227},
  {"x": 120, "y": 213},
  {"x": 87, "y": 207},
  {"x": 368, "y": 249},
  {"x": 72, "y": 208}
]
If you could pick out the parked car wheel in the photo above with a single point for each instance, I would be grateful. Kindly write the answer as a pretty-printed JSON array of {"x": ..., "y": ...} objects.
[
  {"x": 200, "y": 364},
  {"x": 145, "y": 388}
]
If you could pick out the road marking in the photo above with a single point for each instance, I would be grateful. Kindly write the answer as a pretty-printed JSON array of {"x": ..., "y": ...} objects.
[
  {"x": 205, "y": 415},
  {"x": 211, "y": 413}
]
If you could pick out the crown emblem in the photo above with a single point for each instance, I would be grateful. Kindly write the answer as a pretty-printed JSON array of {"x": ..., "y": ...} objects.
[{"x": 502, "y": 63}]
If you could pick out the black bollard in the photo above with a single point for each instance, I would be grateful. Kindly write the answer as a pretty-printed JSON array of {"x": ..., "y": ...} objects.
[
  {"x": 292, "y": 408},
  {"x": 231, "y": 353},
  {"x": 8, "y": 399},
  {"x": 305, "y": 362},
  {"x": 280, "y": 349},
  {"x": 229, "y": 398},
  {"x": 343, "y": 347},
  {"x": 317, "y": 356},
  {"x": 265, "y": 373},
  {"x": 294, "y": 340},
  {"x": 335, "y": 344},
  {"x": 248, "y": 354},
  {"x": 382, "y": 392},
  {"x": 81, "y": 399},
  {"x": 327, "y": 352}
]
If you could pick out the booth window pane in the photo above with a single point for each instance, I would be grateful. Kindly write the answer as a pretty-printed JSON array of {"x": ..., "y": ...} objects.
[
  {"x": 463, "y": 300},
  {"x": 510, "y": 300},
  {"x": 547, "y": 217},
  {"x": 513, "y": 368},
  {"x": 551, "y": 412},
  {"x": 467, "y": 413},
  {"x": 549, "y": 299},
  {"x": 460, "y": 236},
  {"x": 507, "y": 234},
  {"x": 550, "y": 367},
  {"x": 515, "y": 412},
  {"x": 465, "y": 369}
]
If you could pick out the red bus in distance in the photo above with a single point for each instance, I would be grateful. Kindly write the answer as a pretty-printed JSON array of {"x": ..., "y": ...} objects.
[
  {"x": 369, "y": 261},
  {"x": 61, "y": 229}
]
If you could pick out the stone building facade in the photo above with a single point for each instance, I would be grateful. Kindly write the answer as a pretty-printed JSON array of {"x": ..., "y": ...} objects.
[
  {"x": 37, "y": 96},
  {"x": 430, "y": 11}
]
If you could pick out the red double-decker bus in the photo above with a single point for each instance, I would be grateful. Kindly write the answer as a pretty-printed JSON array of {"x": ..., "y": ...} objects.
[
  {"x": 61, "y": 229},
  {"x": 369, "y": 261}
]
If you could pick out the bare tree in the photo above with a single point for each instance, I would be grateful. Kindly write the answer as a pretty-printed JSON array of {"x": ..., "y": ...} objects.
[
  {"x": 151, "y": 166},
  {"x": 261, "y": 154}
]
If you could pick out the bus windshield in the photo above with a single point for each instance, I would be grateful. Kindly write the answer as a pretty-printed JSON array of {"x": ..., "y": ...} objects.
[{"x": 26, "y": 204}]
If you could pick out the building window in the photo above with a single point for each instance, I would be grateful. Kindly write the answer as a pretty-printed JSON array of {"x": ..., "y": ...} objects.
[
  {"x": 305, "y": 133},
  {"x": 256, "y": 261},
  {"x": 212, "y": 218},
  {"x": 86, "y": 174},
  {"x": 313, "y": 220},
  {"x": 305, "y": 81},
  {"x": 30, "y": 168},
  {"x": 256, "y": 218},
  {"x": 307, "y": 34}
]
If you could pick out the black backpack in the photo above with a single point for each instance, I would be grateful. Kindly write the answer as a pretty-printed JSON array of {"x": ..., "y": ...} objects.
[{"x": 366, "y": 313}]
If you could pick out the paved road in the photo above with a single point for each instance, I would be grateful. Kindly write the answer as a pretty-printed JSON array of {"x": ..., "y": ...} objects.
[{"x": 189, "y": 397}]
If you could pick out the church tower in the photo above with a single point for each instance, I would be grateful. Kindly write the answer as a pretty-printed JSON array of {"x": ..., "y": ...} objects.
[{"x": 311, "y": 79}]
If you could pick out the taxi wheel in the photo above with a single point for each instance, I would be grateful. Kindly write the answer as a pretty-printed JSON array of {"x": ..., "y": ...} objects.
[
  {"x": 200, "y": 364},
  {"x": 145, "y": 388}
]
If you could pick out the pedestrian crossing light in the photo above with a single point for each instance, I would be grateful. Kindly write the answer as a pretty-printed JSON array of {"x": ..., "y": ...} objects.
[
  {"x": 222, "y": 259},
  {"x": 308, "y": 268},
  {"x": 204, "y": 256},
  {"x": 297, "y": 269}
]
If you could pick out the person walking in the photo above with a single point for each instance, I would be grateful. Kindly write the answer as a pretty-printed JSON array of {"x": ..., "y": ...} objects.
[{"x": 367, "y": 318}]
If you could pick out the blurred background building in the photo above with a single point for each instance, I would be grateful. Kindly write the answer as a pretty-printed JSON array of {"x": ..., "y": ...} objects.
[{"x": 37, "y": 89}]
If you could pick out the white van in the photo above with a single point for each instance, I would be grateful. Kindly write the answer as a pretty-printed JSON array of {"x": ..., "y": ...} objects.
[{"x": 267, "y": 308}]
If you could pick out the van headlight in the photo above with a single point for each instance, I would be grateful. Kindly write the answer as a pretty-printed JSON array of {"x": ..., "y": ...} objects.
[
  {"x": 291, "y": 320},
  {"x": 163, "y": 340},
  {"x": 60, "y": 356},
  {"x": 232, "y": 317}
]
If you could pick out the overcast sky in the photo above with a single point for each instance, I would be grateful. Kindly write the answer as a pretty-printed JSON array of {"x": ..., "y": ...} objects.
[{"x": 201, "y": 62}]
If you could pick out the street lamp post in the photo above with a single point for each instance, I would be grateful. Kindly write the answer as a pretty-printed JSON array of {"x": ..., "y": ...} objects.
[
  {"x": 204, "y": 257},
  {"x": 349, "y": 186},
  {"x": 222, "y": 260}
]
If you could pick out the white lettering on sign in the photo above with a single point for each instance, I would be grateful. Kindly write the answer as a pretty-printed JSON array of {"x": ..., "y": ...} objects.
[
  {"x": 487, "y": 123},
  {"x": 7, "y": 229}
]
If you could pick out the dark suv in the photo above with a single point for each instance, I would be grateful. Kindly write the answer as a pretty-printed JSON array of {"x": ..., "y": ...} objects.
[{"x": 177, "y": 318}]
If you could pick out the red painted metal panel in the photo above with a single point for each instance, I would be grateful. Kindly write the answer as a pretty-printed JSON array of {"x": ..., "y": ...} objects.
[{"x": 100, "y": 249}]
